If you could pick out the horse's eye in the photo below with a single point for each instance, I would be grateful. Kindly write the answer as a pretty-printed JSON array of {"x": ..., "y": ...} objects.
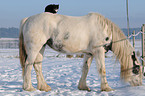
[{"x": 107, "y": 38}]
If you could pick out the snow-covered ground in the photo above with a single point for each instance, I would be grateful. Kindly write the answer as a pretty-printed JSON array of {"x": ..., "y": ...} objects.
[{"x": 63, "y": 75}]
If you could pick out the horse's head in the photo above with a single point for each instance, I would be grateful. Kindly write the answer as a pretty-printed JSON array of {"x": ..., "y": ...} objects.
[
  {"x": 131, "y": 70},
  {"x": 136, "y": 71}
]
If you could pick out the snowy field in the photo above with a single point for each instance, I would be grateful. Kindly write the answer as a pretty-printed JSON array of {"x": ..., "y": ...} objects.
[{"x": 63, "y": 75}]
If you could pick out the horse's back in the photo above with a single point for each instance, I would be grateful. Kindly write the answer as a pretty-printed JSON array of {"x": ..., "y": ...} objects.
[{"x": 54, "y": 20}]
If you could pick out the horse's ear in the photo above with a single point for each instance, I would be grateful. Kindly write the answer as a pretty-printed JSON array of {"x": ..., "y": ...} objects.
[{"x": 106, "y": 27}]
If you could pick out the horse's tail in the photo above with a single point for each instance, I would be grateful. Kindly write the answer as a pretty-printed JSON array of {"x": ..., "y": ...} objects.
[{"x": 22, "y": 51}]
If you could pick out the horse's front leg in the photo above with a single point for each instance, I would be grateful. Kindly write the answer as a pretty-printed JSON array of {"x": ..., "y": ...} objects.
[
  {"x": 87, "y": 62},
  {"x": 99, "y": 55}
]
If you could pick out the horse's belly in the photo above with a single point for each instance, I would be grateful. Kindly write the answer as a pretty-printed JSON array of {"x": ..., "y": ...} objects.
[
  {"x": 66, "y": 47},
  {"x": 73, "y": 48}
]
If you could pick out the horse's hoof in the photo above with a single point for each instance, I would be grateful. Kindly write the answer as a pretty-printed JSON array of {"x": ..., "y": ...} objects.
[
  {"x": 84, "y": 88},
  {"x": 46, "y": 89},
  {"x": 30, "y": 89},
  {"x": 107, "y": 89}
]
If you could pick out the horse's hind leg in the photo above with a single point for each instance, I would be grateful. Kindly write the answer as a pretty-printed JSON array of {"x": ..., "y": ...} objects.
[
  {"x": 41, "y": 84},
  {"x": 32, "y": 52},
  {"x": 27, "y": 85},
  {"x": 87, "y": 62}
]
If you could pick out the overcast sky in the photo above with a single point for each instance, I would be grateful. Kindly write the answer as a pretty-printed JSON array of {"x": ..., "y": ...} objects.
[{"x": 12, "y": 11}]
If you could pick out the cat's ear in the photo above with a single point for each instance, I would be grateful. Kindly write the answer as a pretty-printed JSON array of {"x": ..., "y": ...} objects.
[{"x": 58, "y": 6}]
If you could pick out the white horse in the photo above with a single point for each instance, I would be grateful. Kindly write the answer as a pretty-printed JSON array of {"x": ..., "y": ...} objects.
[{"x": 91, "y": 35}]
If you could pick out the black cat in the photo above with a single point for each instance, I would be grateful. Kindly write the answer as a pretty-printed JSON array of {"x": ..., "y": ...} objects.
[{"x": 52, "y": 8}]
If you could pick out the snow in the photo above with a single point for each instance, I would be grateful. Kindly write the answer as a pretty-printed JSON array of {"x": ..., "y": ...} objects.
[{"x": 63, "y": 75}]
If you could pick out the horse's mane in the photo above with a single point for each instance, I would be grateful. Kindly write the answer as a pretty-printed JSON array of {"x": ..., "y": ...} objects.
[{"x": 121, "y": 47}]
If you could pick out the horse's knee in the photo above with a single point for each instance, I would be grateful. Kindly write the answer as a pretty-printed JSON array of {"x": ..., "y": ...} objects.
[{"x": 102, "y": 71}]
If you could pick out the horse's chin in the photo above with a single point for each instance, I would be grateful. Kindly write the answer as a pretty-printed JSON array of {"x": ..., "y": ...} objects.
[{"x": 135, "y": 80}]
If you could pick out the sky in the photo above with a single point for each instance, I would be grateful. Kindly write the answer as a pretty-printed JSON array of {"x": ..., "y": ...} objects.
[{"x": 12, "y": 11}]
